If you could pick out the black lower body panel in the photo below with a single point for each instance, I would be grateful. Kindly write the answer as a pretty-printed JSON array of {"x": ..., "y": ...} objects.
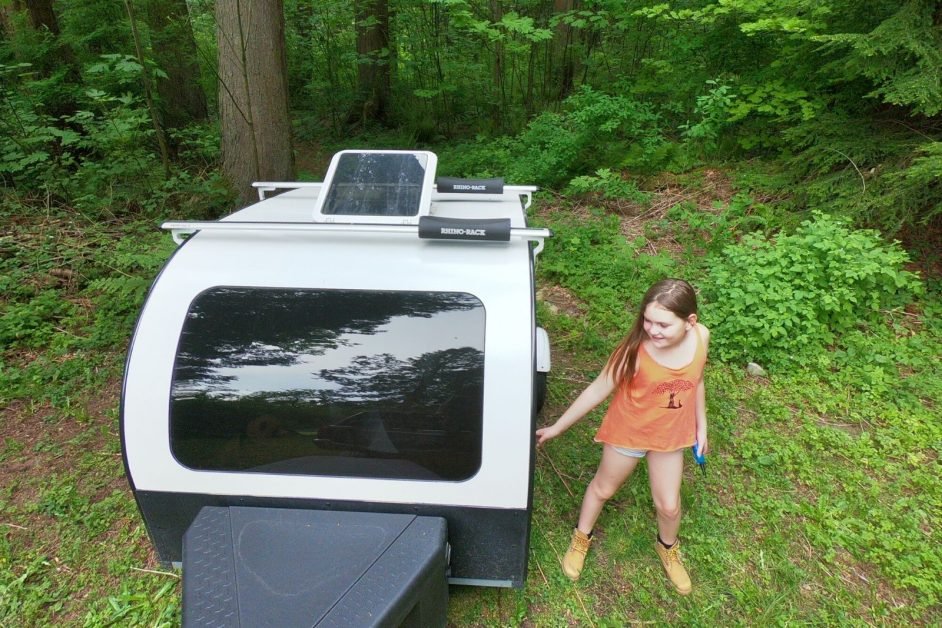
[{"x": 488, "y": 545}]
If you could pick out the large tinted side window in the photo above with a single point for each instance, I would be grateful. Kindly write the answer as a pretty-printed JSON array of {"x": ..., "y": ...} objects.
[{"x": 330, "y": 382}]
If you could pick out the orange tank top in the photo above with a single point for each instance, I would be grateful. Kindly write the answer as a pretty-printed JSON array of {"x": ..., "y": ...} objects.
[{"x": 657, "y": 409}]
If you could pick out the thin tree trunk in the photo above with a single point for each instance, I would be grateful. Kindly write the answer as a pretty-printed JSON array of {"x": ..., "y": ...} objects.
[
  {"x": 253, "y": 94},
  {"x": 374, "y": 61},
  {"x": 41, "y": 16},
  {"x": 182, "y": 100},
  {"x": 7, "y": 28},
  {"x": 566, "y": 37},
  {"x": 497, "y": 106},
  {"x": 148, "y": 91}
]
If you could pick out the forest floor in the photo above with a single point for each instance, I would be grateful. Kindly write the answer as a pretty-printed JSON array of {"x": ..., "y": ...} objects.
[{"x": 73, "y": 550}]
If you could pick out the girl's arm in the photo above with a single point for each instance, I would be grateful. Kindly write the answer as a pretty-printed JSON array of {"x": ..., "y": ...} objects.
[
  {"x": 701, "y": 418},
  {"x": 592, "y": 396},
  {"x": 701, "y": 400}
]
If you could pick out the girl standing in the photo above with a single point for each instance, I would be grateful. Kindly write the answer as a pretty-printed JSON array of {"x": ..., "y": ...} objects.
[{"x": 658, "y": 411}]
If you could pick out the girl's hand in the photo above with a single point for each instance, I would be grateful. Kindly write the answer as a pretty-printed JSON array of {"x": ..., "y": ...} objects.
[
  {"x": 702, "y": 443},
  {"x": 546, "y": 433}
]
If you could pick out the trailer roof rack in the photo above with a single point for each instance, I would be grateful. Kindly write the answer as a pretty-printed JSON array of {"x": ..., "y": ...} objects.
[
  {"x": 494, "y": 230},
  {"x": 440, "y": 191},
  {"x": 391, "y": 192}
]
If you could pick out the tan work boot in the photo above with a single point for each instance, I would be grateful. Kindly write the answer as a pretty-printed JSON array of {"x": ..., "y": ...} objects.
[
  {"x": 670, "y": 558},
  {"x": 575, "y": 555}
]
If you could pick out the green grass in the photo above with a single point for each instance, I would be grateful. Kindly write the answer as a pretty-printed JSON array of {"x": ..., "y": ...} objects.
[{"x": 822, "y": 503}]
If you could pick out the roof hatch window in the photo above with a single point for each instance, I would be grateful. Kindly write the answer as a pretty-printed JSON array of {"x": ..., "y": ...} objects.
[
  {"x": 330, "y": 382},
  {"x": 370, "y": 183}
]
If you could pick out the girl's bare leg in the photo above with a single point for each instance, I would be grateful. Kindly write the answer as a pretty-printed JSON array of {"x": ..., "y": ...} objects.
[
  {"x": 665, "y": 470},
  {"x": 613, "y": 470}
]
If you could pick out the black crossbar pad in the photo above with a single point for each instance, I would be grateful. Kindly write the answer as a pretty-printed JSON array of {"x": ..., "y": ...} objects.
[
  {"x": 487, "y": 229},
  {"x": 451, "y": 185}
]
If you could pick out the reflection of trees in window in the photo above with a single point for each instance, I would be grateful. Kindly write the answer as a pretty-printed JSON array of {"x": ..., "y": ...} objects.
[
  {"x": 233, "y": 327},
  {"x": 424, "y": 411},
  {"x": 436, "y": 379},
  {"x": 375, "y": 410}
]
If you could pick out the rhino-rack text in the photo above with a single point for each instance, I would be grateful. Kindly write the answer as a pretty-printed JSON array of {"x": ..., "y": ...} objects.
[
  {"x": 472, "y": 188},
  {"x": 481, "y": 233}
]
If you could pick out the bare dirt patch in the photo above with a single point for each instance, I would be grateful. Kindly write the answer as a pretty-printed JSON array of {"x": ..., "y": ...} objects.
[
  {"x": 41, "y": 447},
  {"x": 45, "y": 438},
  {"x": 38, "y": 444},
  {"x": 559, "y": 300},
  {"x": 925, "y": 243},
  {"x": 708, "y": 190}
]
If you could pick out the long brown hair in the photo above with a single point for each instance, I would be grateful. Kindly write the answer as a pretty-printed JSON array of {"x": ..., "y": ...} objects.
[{"x": 674, "y": 295}]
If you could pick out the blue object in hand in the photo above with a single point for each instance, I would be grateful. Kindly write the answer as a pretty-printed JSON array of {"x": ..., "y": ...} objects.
[{"x": 700, "y": 458}]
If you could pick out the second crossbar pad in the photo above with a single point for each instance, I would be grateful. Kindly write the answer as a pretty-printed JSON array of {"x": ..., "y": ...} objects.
[
  {"x": 490, "y": 230},
  {"x": 451, "y": 185}
]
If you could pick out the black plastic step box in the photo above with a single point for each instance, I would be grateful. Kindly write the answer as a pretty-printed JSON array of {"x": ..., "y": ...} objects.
[{"x": 283, "y": 567}]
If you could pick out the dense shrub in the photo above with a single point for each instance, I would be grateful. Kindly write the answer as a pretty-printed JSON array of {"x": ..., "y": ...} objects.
[
  {"x": 594, "y": 130},
  {"x": 782, "y": 300}
]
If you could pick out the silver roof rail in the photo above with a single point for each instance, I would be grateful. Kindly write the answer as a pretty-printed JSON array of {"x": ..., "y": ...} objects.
[
  {"x": 181, "y": 229},
  {"x": 510, "y": 191},
  {"x": 264, "y": 187}
]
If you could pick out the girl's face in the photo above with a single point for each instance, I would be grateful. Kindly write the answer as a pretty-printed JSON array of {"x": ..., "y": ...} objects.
[{"x": 664, "y": 328}]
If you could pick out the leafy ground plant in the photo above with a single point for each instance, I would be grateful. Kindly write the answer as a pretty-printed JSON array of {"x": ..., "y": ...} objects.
[
  {"x": 785, "y": 300},
  {"x": 821, "y": 504}
]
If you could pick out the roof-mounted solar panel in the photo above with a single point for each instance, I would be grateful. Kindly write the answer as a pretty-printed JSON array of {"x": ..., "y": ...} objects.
[{"x": 377, "y": 186}]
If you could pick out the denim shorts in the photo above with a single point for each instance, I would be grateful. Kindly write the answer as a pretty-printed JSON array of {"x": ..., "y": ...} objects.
[{"x": 631, "y": 453}]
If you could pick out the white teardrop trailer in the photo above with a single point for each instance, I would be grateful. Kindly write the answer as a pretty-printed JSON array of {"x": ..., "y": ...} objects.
[{"x": 330, "y": 397}]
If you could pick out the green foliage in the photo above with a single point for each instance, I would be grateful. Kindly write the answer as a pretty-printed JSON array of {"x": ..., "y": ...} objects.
[
  {"x": 861, "y": 438},
  {"x": 98, "y": 156},
  {"x": 783, "y": 301},
  {"x": 879, "y": 175},
  {"x": 702, "y": 231},
  {"x": 71, "y": 289},
  {"x": 130, "y": 264},
  {"x": 775, "y": 100},
  {"x": 30, "y": 325},
  {"x": 101, "y": 157},
  {"x": 713, "y": 110},
  {"x": 594, "y": 130},
  {"x": 132, "y": 606},
  {"x": 902, "y": 56},
  {"x": 909, "y": 195},
  {"x": 591, "y": 257},
  {"x": 608, "y": 185}
]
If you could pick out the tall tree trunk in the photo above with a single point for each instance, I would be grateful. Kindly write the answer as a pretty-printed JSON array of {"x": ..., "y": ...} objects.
[
  {"x": 374, "y": 69},
  {"x": 497, "y": 71},
  {"x": 55, "y": 59},
  {"x": 253, "y": 93},
  {"x": 149, "y": 91},
  {"x": 565, "y": 60},
  {"x": 7, "y": 11},
  {"x": 42, "y": 17},
  {"x": 182, "y": 100}
]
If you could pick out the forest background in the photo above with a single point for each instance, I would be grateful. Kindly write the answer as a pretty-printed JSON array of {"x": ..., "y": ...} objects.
[{"x": 784, "y": 156}]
